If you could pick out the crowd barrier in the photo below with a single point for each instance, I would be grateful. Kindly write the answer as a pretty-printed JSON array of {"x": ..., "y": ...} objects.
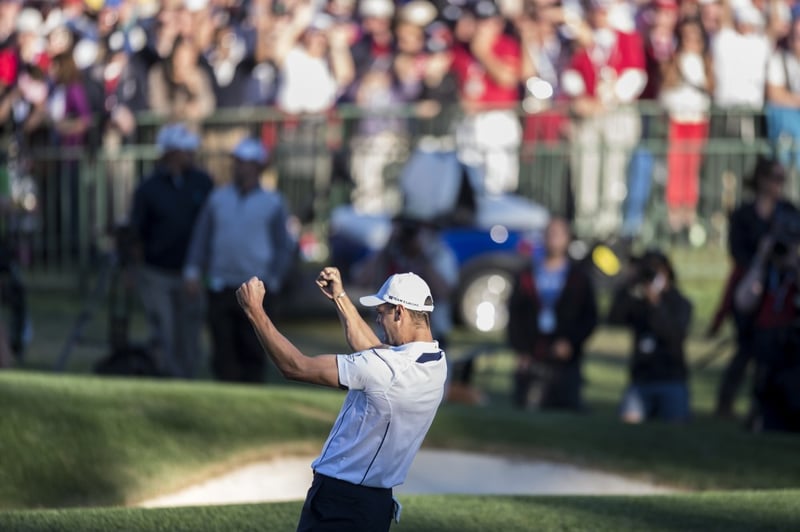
[{"x": 62, "y": 205}]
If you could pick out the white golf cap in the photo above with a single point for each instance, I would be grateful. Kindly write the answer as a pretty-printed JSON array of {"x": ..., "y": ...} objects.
[
  {"x": 250, "y": 150},
  {"x": 406, "y": 289}
]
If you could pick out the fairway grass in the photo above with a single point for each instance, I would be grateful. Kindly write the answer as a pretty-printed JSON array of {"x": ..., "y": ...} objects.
[{"x": 729, "y": 512}]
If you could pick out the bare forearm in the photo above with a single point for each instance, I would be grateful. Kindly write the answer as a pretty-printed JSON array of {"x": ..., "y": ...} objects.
[
  {"x": 358, "y": 333},
  {"x": 287, "y": 357}
]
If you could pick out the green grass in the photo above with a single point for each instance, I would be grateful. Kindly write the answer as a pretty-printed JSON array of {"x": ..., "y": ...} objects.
[
  {"x": 86, "y": 441},
  {"x": 82, "y": 441},
  {"x": 729, "y": 512}
]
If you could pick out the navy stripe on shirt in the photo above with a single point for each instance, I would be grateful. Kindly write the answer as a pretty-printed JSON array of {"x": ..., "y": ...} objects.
[
  {"x": 429, "y": 357},
  {"x": 376, "y": 452}
]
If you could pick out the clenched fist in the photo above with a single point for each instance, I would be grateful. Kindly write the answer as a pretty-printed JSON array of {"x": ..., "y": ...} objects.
[
  {"x": 329, "y": 281},
  {"x": 250, "y": 294}
]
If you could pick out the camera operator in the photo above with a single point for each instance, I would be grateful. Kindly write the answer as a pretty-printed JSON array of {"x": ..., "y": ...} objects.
[
  {"x": 658, "y": 314},
  {"x": 768, "y": 297},
  {"x": 749, "y": 223}
]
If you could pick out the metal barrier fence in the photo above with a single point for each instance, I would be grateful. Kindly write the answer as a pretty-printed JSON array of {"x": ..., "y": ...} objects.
[{"x": 354, "y": 155}]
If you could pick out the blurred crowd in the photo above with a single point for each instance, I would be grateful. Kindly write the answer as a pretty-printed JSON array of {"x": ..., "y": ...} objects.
[
  {"x": 83, "y": 73},
  {"x": 576, "y": 67}
]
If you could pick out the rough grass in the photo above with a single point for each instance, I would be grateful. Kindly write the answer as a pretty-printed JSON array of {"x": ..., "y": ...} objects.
[{"x": 729, "y": 512}]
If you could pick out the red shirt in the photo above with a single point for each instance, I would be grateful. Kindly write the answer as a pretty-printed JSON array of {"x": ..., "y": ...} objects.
[
  {"x": 475, "y": 84},
  {"x": 9, "y": 65},
  {"x": 626, "y": 53}
]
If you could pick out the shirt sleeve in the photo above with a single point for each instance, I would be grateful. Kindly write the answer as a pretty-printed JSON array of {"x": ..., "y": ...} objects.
[
  {"x": 776, "y": 75},
  {"x": 366, "y": 370}
]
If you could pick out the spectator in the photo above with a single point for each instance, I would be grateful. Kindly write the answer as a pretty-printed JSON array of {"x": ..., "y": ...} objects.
[
  {"x": 382, "y": 88},
  {"x": 749, "y": 225},
  {"x": 487, "y": 63},
  {"x": 768, "y": 296},
  {"x": 165, "y": 207},
  {"x": 437, "y": 108},
  {"x": 314, "y": 62},
  {"x": 740, "y": 50},
  {"x": 783, "y": 99},
  {"x": 179, "y": 88},
  {"x": 377, "y": 42},
  {"x": 552, "y": 312},
  {"x": 31, "y": 44},
  {"x": 603, "y": 80},
  {"x": 546, "y": 48},
  {"x": 658, "y": 315},
  {"x": 379, "y": 140},
  {"x": 241, "y": 232},
  {"x": 70, "y": 117},
  {"x": 228, "y": 54},
  {"x": 315, "y": 68},
  {"x": 69, "y": 109},
  {"x": 661, "y": 18},
  {"x": 409, "y": 62},
  {"x": 685, "y": 93}
]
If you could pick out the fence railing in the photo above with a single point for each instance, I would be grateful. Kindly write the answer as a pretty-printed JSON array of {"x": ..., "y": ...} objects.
[{"x": 321, "y": 161}]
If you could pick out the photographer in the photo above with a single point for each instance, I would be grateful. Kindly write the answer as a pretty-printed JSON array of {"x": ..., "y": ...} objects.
[
  {"x": 749, "y": 224},
  {"x": 658, "y": 315},
  {"x": 768, "y": 297}
]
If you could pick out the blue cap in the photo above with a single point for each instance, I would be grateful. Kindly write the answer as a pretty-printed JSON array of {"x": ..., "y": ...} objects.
[{"x": 251, "y": 150}]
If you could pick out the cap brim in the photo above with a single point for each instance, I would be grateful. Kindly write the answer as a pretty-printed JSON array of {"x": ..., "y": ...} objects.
[{"x": 371, "y": 301}]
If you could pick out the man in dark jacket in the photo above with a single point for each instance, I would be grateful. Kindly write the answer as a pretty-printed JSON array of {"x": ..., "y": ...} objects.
[
  {"x": 552, "y": 312},
  {"x": 165, "y": 207},
  {"x": 658, "y": 315}
]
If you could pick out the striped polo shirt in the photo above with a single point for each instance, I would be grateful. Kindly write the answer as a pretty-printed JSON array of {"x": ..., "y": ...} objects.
[{"x": 393, "y": 396}]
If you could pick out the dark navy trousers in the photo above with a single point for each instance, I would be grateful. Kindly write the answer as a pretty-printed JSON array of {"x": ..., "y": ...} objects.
[{"x": 336, "y": 505}]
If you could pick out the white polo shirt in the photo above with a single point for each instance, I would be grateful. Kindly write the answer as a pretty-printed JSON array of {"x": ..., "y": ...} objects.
[{"x": 392, "y": 399}]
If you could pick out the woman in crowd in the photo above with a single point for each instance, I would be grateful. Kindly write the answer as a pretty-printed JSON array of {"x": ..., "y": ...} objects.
[
  {"x": 686, "y": 94},
  {"x": 179, "y": 87},
  {"x": 552, "y": 312}
]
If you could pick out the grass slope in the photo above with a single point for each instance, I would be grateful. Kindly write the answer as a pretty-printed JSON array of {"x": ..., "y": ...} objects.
[
  {"x": 96, "y": 441},
  {"x": 82, "y": 441},
  {"x": 730, "y": 512}
]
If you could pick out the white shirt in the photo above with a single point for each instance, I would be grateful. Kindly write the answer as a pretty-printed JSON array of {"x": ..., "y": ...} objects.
[
  {"x": 687, "y": 101},
  {"x": 392, "y": 399},
  {"x": 780, "y": 64},
  {"x": 740, "y": 64},
  {"x": 307, "y": 83}
]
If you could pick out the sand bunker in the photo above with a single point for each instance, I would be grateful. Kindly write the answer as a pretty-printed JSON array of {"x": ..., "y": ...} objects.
[{"x": 433, "y": 471}]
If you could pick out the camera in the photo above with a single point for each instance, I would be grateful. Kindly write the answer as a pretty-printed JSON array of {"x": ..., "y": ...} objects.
[{"x": 786, "y": 231}]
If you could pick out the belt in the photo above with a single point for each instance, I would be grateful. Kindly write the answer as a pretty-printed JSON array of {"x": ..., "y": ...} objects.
[{"x": 338, "y": 481}]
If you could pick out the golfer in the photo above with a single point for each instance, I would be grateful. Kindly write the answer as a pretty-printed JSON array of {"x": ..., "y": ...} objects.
[{"x": 394, "y": 389}]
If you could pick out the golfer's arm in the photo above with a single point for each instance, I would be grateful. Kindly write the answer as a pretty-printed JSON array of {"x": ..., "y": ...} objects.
[
  {"x": 358, "y": 333},
  {"x": 290, "y": 361}
]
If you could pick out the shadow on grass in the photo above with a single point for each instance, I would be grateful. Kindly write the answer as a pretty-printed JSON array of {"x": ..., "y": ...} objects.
[{"x": 743, "y": 511}]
